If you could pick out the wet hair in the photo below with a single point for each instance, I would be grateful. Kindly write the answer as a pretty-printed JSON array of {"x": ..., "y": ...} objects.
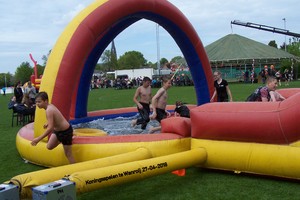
[
  {"x": 42, "y": 95},
  {"x": 146, "y": 78}
]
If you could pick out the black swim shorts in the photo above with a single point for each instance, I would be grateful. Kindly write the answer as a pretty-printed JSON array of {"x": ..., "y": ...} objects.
[
  {"x": 65, "y": 137},
  {"x": 160, "y": 114}
]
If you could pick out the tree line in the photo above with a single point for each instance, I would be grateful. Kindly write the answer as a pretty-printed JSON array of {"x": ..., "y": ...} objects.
[{"x": 129, "y": 60}]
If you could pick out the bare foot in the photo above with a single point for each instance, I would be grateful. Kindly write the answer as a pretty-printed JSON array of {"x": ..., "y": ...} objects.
[
  {"x": 151, "y": 129},
  {"x": 133, "y": 123},
  {"x": 154, "y": 129}
]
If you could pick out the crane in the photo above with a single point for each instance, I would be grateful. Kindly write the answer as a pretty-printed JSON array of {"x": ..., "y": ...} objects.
[{"x": 265, "y": 28}]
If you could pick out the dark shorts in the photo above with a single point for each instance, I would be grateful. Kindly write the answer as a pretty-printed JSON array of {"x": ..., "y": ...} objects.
[
  {"x": 160, "y": 114},
  {"x": 144, "y": 115},
  {"x": 65, "y": 137}
]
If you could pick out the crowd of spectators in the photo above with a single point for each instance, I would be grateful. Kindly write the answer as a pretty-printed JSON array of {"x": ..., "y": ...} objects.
[
  {"x": 127, "y": 83},
  {"x": 23, "y": 101},
  {"x": 250, "y": 76}
]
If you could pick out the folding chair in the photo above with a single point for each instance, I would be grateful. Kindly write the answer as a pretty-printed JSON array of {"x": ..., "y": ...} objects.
[{"x": 16, "y": 115}]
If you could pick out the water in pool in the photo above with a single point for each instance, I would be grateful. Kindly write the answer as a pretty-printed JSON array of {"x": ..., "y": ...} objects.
[{"x": 117, "y": 126}]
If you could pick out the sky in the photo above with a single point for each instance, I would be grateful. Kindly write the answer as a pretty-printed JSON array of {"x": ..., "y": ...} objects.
[{"x": 30, "y": 26}]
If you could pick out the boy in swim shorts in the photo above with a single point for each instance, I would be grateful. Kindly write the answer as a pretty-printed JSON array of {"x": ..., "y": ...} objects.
[
  {"x": 142, "y": 98},
  {"x": 57, "y": 124},
  {"x": 159, "y": 103}
]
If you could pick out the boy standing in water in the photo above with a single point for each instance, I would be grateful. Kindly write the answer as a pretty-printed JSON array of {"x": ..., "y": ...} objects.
[
  {"x": 159, "y": 103},
  {"x": 61, "y": 128},
  {"x": 143, "y": 105}
]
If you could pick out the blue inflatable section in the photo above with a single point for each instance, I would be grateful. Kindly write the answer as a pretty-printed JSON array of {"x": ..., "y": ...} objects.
[{"x": 182, "y": 40}]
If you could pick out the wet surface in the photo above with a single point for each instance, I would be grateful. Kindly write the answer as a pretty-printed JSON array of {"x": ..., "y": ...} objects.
[{"x": 117, "y": 126}]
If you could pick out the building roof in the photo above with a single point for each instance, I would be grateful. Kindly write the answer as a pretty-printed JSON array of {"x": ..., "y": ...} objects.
[{"x": 234, "y": 48}]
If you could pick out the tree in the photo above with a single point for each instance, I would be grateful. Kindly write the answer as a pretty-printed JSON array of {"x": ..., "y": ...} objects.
[
  {"x": 114, "y": 62},
  {"x": 109, "y": 61},
  {"x": 272, "y": 43},
  {"x": 101, "y": 67},
  {"x": 6, "y": 80},
  {"x": 45, "y": 58},
  {"x": 40, "y": 70},
  {"x": 163, "y": 61},
  {"x": 282, "y": 47},
  {"x": 106, "y": 60},
  {"x": 132, "y": 60},
  {"x": 151, "y": 64},
  {"x": 179, "y": 60},
  {"x": 23, "y": 72},
  {"x": 294, "y": 47}
]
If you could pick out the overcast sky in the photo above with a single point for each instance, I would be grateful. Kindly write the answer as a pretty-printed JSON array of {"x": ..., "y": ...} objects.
[{"x": 30, "y": 26}]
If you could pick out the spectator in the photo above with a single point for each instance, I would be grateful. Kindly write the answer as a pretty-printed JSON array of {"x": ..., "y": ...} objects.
[
  {"x": 31, "y": 91},
  {"x": 221, "y": 89},
  {"x": 4, "y": 91},
  {"x": 278, "y": 77},
  {"x": 17, "y": 107},
  {"x": 286, "y": 76},
  {"x": 18, "y": 92},
  {"x": 263, "y": 76}
]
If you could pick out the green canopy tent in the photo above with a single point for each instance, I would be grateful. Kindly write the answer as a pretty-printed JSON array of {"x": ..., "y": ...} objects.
[{"x": 234, "y": 53}]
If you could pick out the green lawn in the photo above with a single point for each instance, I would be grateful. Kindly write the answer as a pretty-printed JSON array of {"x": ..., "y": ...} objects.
[{"x": 197, "y": 184}]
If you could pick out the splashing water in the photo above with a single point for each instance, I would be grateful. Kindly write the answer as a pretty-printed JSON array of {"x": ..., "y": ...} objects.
[{"x": 117, "y": 126}]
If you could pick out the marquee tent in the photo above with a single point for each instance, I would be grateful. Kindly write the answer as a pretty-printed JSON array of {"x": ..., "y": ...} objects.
[{"x": 234, "y": 49}]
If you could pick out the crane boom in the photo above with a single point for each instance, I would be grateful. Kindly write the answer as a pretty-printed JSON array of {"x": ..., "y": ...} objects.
[{"x": 265, "y": 28}]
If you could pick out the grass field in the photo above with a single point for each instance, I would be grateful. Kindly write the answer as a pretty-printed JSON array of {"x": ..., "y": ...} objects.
[{"x": 197, "y": 184}]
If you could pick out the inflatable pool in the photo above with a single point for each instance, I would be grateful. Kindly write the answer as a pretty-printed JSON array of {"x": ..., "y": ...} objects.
[
  {"x": 92, "y": 148},
  {"x": 254, "y": 137},
  {"x": 231, "y": 145},
  {"x": 92, "y": 144}
]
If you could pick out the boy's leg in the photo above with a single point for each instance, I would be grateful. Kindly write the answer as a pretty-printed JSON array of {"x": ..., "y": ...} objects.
[
  {"x": 144, "y": 117},
  {"x": 133, "y": 122},
  {"x": 68, "y": 153},
  {"x": 53, "y": 142},
  {"x": 154, "y": 129}
]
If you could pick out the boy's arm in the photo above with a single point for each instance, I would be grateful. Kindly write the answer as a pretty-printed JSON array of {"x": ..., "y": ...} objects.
[
  {"x": 272, "y": 95},
  {"x": 49, "y": 128},
  {"x": 135, "y": 98},
  {"x": 281, "y": 97},
  {"x": 154, "y": 102}
]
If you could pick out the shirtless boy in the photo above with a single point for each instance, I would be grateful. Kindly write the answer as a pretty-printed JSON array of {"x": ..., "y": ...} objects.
[
  {"x": 57, "y": 124},
  {"x": 159, "y": 103},
  {"x": 143, "y": 93}
]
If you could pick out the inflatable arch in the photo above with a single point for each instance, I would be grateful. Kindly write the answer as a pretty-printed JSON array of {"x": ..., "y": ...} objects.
[{"x": 72, "y": 61}]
